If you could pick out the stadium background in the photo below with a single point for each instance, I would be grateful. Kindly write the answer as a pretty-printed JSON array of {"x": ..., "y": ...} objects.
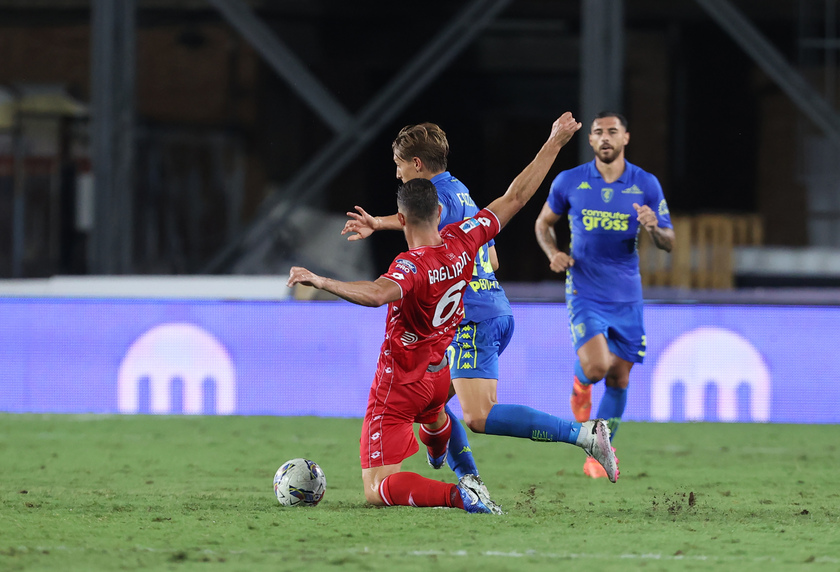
[{"x": 140, "y": 140}]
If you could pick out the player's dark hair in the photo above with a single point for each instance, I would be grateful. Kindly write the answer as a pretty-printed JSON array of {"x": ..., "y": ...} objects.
[
  {"x": 417, "y": 199},
  {"x": 617, "y": 115},
  {"x": 426, "y": 141}
]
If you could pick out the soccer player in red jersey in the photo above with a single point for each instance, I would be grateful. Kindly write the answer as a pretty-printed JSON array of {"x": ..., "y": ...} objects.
[{"x": 424, "y": 287}]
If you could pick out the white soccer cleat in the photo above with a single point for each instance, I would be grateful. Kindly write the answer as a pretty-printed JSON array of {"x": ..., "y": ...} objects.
[
  {"x": 594, "y": 438},
  {"x": 483, "y": 492},
  {"x": 476, "y": 497}
]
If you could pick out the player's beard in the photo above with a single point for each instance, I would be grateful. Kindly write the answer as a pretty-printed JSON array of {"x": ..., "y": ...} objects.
[{"x": 609, "y": 155}]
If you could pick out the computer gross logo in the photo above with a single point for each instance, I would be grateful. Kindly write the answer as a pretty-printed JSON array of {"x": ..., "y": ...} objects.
[
  {"x": 171, "y": 352},
  {"x": 711, "y": 358}
]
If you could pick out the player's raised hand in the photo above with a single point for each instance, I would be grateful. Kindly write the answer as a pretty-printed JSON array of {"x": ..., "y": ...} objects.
[
  {"x": 298, "y": 275},
  {"x": 563, "y": 128},
  {"x": 561, "y": 262},
  {"x": 646, "y": 216},
  {"x": 360, "y": 223}
]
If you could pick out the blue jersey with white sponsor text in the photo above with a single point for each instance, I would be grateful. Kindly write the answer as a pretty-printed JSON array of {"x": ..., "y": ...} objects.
[
  {"x": 604, "y": 229},
  {"x": 484, "y": 298}
]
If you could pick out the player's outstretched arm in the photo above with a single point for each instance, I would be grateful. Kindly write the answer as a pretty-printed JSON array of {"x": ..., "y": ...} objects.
[
  {"x": 363, "y": 224},
  {"x": 364, "y": 293},
  {"x": 529, "y": 180}
]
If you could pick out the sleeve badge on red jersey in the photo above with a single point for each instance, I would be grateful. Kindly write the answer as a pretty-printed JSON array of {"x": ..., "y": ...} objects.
[
  {"x": 405, "y": 265},
  {"x": 472, "y": 223},
  {"x": 469, "y": 224}
]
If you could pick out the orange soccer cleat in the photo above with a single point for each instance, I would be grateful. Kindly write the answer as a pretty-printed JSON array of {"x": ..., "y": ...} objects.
[
  {"x": 581, "y": 401},
  {"x": 592, "y": 468}
]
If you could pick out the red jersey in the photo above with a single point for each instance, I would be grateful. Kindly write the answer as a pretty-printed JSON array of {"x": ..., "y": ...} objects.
[{"x": 422, "y": 323}]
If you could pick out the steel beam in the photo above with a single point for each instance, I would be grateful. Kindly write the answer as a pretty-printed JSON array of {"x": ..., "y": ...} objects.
[
  {"x": 284, "y": 62},
  {"x": 112, "y": 134},
  {"x": 346, "y": 145},
  {"x": 601, "y": 62},
  {"x": 18, "y": 193},
  {"x": 768, "y": 58}
]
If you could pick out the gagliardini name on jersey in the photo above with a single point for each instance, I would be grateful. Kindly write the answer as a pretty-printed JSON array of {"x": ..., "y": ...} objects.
[{"x": 449, "y": 272}]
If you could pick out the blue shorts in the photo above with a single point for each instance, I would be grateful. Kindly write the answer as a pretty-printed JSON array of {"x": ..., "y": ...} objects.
[
  {"x": 621, "y": 323},
  {"x": 475, "y": 350}
]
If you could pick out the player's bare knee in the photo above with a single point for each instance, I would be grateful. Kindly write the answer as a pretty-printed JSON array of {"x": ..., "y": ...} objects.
[
  {"x": 372, "y": 495},
  {"x": 443, "y": 416},
  {"x": 595, "y": 370},
  {"x": 475, "y": 423}
]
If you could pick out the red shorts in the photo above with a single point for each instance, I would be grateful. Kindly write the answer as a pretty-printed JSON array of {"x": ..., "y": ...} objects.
[{"x": 393, "y": 409}]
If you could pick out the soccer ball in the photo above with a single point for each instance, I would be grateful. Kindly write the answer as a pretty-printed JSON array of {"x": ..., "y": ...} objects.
[{"x": 299, "y": 482}]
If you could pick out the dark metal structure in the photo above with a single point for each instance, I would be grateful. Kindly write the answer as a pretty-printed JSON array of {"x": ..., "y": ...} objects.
[
  {"x": 112, "y": 127},
  {"x": 133, "y": 221}
]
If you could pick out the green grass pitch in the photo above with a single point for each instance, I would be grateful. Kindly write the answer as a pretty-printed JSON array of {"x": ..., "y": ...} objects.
[{"x": 194, "y": 493}]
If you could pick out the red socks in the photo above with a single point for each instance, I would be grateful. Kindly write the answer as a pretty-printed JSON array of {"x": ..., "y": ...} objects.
[
  {"x": 436, "y": 441},
  {"x": 411, "y": 489}
]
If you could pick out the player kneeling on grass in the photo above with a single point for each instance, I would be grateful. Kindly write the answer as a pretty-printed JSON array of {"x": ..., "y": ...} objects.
[{"x": 424, "y": 288}]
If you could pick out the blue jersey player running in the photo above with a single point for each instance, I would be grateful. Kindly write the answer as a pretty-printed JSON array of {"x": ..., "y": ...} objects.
[
  {"x": 420, "y": 151},
  {"x": 607, "y": 201}
]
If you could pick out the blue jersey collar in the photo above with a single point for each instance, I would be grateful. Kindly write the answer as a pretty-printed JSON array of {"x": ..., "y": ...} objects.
[
  {"x": 440, "y": 177},
  {"x": 624, "y": 178}
]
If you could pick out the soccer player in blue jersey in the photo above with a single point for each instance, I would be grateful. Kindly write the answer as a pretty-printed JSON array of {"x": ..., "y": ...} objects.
[
  {"x": 421, "y": 151},
  {"x": 607, "y": 201}
]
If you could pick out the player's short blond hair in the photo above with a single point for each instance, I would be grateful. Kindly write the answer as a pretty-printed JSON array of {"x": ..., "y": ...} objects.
[{"x": 426, "y": 141}]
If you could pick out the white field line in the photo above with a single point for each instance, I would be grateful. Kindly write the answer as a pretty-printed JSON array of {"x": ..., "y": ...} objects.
[{"x": 461, "y": 553}]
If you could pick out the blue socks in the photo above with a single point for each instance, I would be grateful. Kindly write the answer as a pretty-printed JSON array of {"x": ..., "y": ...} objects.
[
  {"x": 510, "y": 420},
  {"x": 459, "y": 457},
  {"x": 527, "y": 423},
  {"x": 612, "y": 407},
  {"x": 612, "y": 404}
]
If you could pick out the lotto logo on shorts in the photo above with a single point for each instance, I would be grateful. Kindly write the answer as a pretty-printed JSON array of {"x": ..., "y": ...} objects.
[
  {"x": 375, "y": 436},
  {"x": 180, "y": 361},
  {"x": 712, "y": 367}
]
